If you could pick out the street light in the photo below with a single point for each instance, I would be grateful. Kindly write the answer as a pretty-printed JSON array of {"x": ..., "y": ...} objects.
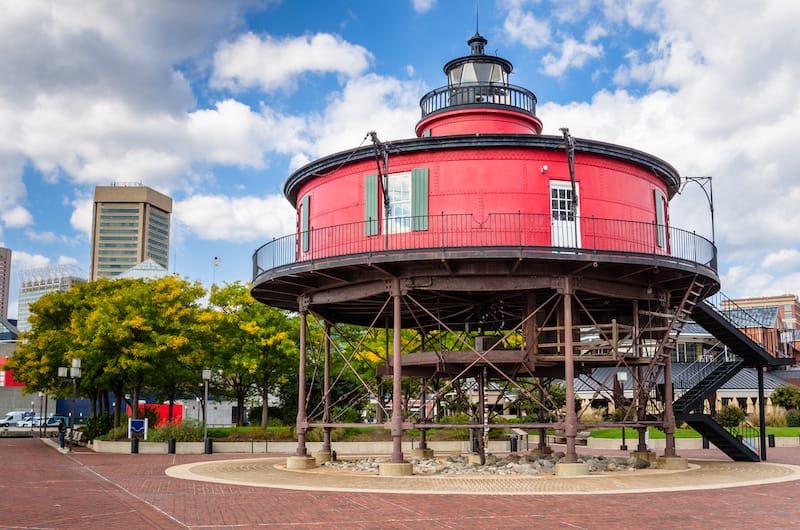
[
  {"x": 702, "y": 181},
  {"x": 42, "y": 415},
  {"x": 206, "y": 377},
  {"x": 74, "y": 374}
]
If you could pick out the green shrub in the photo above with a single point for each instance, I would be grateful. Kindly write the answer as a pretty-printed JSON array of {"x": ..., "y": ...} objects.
[
  {"x": 188, "y": 431},
  {"x": 152, "y": 415},
  {"x": 97, "y": 426},
  {"x": 730, "y": 416},
  {"x": 793, "y": 418},
  {"x": 116, "y": 433}
]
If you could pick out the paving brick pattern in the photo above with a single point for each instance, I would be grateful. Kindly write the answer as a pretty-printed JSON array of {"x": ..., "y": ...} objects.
[{"x": 43, "y": 488}]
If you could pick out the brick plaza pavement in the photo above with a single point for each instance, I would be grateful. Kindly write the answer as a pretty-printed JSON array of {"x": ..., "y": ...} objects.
[{"x": 43, "y": 488}]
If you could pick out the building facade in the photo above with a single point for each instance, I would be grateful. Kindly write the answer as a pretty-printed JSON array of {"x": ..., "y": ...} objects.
[
  {"x": 130, "y": 224},
  {"x": 36, "y": 283},
  {"x": 5, "y": 280}
]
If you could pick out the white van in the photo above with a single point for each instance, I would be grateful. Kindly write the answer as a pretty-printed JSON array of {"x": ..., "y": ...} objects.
[{"x": 13, "y": 417}]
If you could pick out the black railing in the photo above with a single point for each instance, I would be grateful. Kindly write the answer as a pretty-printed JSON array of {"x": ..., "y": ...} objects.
[
  {"x": 478, "y": 94},
  {"x": 751, "y": 323},
  {"x": 517, "y": 231}
]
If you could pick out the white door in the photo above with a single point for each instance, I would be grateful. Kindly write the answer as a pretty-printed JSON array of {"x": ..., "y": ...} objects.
[{"x": 564, "y": 215}]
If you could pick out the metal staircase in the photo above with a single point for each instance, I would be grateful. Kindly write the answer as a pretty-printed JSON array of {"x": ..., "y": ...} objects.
[{"x": 718, "y": 319}]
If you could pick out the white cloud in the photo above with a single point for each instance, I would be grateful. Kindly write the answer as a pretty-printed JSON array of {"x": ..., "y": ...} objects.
[
  {"x": 21, "y": 260},
  {"x": 783, "y": 260},
  {"x": 372, "y": 102},
  {"x": 81, "y": 218},
  {"x": 523, "y": 27},
  {"x": 232, "y": 133},
  {"x": 574, "y": 54},
  {"x": 16, "y": 217},
  {"x": 269, "y": 63},
  {"x": 423, "y": 6},
  {"x": 237, "y": 219}
]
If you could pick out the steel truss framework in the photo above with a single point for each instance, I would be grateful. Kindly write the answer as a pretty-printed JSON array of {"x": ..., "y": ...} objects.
[{"x": 517, "y": 332}]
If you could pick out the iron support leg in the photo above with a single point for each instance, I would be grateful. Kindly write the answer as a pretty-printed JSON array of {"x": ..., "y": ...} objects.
[
  {"x": 301, "y": 390},
  {"x": 669, "y": 415},
  {"x": 397, "y": 387},
  {"x": 762, "y": 421},
  {"x": 326, "y": 414},
  {"x": 571, "y": 418}
]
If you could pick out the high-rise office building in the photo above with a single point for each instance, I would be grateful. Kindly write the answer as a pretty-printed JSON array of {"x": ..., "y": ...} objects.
[
  {"x": 130, "y": 224},
  {"x": 35, "y": 283},
  {"x": 5, "y": 279}
]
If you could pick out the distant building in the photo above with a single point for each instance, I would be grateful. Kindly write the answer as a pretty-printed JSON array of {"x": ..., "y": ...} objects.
[
  {"x": 130, "y": 225},
  {"x": 148, "y": 270},
  {"x": 36, "y": 283},
  {"x": 787, "y": 304},
  {"x": 782, "y": 311},
  {"x": 5, "y": 278}
]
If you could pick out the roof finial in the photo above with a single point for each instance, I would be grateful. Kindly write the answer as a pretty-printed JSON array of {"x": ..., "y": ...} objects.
[{"x": 477, "y": 5}]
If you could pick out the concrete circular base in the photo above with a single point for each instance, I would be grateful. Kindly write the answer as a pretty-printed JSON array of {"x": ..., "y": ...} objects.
[
  {"x": 321, "y": 457},
  {"x": 564, "y": 469},
  {"x": 672, "y": 462},
  {"x": 301, "y": 462},
  {"x": 422, "y": 453},
  {"x": 395, "y": 469}
]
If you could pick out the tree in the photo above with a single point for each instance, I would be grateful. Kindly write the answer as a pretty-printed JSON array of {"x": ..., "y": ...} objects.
[
  {"x": 252, "y": 343},
  {"x": 786, "y": 396}
]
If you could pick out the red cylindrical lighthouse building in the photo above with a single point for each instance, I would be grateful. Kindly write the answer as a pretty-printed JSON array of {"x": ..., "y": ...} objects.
[{"x": 538, "y": 256}]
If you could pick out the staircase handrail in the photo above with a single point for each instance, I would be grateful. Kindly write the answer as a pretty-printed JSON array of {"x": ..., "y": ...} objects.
[
  {"x": 725, "y": 306},
  {"x": 688, "y": 378}
]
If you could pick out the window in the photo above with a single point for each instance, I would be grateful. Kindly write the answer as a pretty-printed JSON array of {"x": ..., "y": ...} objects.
[
  {"x": 408, "y": 202},
  {"x": 304, "y": 224},
  {"x": 661, "y": 218},
  {"x": 561, "y": 204},
  {"x": 398, "y": 216}
]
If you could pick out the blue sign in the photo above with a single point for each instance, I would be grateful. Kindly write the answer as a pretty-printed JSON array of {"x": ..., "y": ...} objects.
[{"x": 138, "y": 426}]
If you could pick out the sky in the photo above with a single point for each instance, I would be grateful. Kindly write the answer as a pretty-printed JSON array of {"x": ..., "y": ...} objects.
[{"x": 216, "y": 103}]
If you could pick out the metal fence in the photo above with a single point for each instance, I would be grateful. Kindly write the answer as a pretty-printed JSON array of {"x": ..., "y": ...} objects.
[
  {"x": 501, "y": 231},
  {"x": 482, "y": 94}
]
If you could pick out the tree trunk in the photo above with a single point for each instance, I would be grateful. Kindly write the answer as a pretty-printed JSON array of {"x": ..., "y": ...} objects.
[{"x": 265, "y": 401}]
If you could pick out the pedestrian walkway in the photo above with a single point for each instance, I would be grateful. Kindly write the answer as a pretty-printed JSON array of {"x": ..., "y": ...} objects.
[{"x": 43, "y": 488}]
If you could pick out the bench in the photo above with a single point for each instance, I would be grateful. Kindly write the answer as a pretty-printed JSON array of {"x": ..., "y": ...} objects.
[{"x": 76, "y": 437}]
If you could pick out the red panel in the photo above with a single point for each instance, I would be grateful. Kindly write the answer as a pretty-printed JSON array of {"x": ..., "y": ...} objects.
[
  {"x": 499, "y": 190},
  {"x": 8, "y": 375},
  {"x": 479, "y": 121}
]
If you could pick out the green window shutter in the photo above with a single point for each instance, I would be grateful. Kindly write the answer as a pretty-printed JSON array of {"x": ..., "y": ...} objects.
[
  {"x": 419, "y": 198},
  {"x": 304, "y": 224},
  {"x": 371, "y": 205},
  {"x": 661, "y": 219}
]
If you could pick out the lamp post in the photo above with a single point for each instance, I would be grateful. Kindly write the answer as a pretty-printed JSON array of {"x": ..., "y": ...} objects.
[
  {"x": 42, "y": 414},
  {"x": 206, "y": 377},
  {"x": 702, "y": 181},
  {"x": 74, "y": 374}
]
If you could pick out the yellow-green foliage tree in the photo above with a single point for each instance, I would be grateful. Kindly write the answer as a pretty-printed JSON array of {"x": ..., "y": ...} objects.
[
  {"x": 254, "y": 345},
  {"x": 130, "y": 333}
]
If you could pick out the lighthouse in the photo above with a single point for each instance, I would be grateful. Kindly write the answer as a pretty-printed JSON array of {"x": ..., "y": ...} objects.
[{"x": 494, "y": 257}]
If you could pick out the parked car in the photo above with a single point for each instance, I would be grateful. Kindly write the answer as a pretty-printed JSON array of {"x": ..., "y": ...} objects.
[
  {"x": 52, "y": 421},
  {"x": 31, "y": 421},
  {"x": 14, "y": 417}
]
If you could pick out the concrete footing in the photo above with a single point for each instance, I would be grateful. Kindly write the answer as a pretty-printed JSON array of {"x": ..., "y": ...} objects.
[
  {"x": 672, "y": 462},
  {"x": 648, "y": 456},
  {"x": 301, "y": 462},
  {"x": 395, "y": 469},
  {"x": 473, "y": 458},
  {"x": 564, "y": 469},
  {"x": 322, "y": 456},
  {"x": 422, "y": 453},
  {"x": 546, "y": 450}
]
